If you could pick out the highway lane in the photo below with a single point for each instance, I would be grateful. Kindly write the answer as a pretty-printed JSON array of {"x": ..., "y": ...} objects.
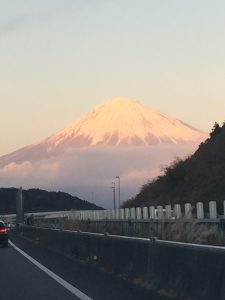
[{"x": 20, "y": 279}]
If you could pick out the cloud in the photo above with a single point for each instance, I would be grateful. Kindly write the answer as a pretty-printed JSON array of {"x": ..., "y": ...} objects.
[
  {"x": 12, "y": 25},
  {"x": 24, "y": 21},
  {"x": 82, "y": 172}
]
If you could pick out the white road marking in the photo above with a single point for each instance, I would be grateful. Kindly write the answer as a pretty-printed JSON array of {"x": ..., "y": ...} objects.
[{"x": 61, "y": 281}]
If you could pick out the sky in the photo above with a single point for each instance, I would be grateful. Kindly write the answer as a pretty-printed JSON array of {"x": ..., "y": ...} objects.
[{"x": 59, "y": 59}]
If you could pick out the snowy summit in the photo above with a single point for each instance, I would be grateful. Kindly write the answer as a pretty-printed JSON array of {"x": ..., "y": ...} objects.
[
  {"x": 121, "y": 136},
  {"x": 124, "y": 122},
  {"x": 119, "y": 122}
]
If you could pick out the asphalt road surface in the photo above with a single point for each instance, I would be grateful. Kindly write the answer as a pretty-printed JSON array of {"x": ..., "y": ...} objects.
[
  {"x": 21, "y": 279},
  {"x": 30, "y": 272}
]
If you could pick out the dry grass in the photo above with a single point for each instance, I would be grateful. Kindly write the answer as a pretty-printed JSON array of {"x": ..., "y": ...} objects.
[
  {"x": 184, "y": 230},
  {"x": 181, "y": 230}
]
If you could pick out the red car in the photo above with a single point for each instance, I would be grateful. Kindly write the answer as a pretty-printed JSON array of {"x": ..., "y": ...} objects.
[{"x": 3, "y": 234}]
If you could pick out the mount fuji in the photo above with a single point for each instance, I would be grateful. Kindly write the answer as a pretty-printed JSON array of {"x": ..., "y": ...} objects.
[
  {"x": 120, "y": 137},
  {"x": 123, "y": 122}
]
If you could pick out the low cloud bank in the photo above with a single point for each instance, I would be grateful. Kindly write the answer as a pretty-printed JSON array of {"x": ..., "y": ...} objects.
[{"x": 89, "y": 173}]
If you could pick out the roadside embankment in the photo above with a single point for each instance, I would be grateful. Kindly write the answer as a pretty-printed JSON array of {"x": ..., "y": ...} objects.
[{"x": 177, "y": 270}]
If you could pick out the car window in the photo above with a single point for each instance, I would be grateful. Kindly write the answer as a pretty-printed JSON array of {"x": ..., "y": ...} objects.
[{"x": 2, "y": 225}]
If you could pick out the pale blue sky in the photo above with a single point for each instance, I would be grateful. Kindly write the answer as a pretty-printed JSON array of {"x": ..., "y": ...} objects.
[{"x": 59, "y": 59}]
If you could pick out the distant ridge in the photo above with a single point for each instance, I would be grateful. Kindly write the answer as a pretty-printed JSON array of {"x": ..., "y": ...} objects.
[{"x": 36, "y": 200}]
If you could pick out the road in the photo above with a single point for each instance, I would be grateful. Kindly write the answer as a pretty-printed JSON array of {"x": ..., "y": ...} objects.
[
  {"x": 21, "y": 279},
  {"x": 44, "y": 275}
]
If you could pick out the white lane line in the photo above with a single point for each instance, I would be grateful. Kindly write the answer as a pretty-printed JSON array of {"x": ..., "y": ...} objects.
[{"x": 61, "y": 281}]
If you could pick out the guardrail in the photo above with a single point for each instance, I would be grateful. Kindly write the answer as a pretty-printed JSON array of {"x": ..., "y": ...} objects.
[
  {"x": 176, "y": 270},
  {"x": 159, "y": 212},
  {"x": 168, "y": 212}
]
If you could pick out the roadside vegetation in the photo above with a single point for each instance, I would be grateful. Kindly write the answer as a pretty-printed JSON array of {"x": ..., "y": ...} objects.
[{"x": 181, "y": 230}]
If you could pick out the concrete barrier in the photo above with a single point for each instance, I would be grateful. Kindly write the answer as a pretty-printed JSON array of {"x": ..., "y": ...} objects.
[
  {"x": 168, "y": 211},
  {"x": 152, "y": 212},
  {"x": 178, "y": 270},
  {"x": 200, "y": 210},
  {"x": 188, "y": 210},
  {"x": 212, "y": 210},
  {"x": 145, "y": 212},
  {"x": 160, "y": 212},
  {"x": 177, "y": 211}
]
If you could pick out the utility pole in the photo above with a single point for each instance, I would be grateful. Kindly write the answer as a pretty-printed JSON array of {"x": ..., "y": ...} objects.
[
  {"x": 19, "y": 207},
  {"x": 114, "y": 194},
  {"x": 118, "y": 177}
]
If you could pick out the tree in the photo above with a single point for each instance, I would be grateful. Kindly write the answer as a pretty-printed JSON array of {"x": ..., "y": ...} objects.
[{"x": 215, "y": 130}]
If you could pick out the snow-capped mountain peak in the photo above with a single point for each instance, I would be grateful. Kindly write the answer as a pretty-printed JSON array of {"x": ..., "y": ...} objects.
[
  {"x": 124, "y": 122},
  {"x": 120, "y": 137},
  {"x": 117, "y": 123}
]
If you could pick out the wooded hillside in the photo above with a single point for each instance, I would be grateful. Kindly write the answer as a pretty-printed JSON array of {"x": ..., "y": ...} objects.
[
  {"x": 36, "y": 200},
  {"x": 200, "y": 177}
]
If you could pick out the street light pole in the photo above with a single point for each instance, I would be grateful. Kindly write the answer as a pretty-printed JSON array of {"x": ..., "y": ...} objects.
[
  {"x": 118, "y": 177},
  {"x": 114, "y": 193}
]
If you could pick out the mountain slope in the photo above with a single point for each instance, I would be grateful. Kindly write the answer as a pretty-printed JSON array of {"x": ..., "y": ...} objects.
[
  {"x": 198, "y": 178},
  {"x": 117, "y": 123},
  {"x": 122, "y": 122},
  {"x": 121, "y": 137}
]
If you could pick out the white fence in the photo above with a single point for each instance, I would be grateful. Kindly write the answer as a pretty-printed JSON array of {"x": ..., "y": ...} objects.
[{"x": 159, "y": 213}]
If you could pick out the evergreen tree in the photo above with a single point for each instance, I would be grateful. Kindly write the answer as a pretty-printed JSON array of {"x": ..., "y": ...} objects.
[{"x": 215, "y": 130}]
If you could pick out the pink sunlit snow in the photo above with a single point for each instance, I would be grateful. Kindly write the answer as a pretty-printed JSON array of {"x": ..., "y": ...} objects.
[{"x": 124, "y": 122}]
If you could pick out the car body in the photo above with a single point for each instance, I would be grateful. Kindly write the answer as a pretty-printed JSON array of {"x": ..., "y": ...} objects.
[
  {"x": 3, "y": 234},
  {"x": 8, "y": 226}
]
